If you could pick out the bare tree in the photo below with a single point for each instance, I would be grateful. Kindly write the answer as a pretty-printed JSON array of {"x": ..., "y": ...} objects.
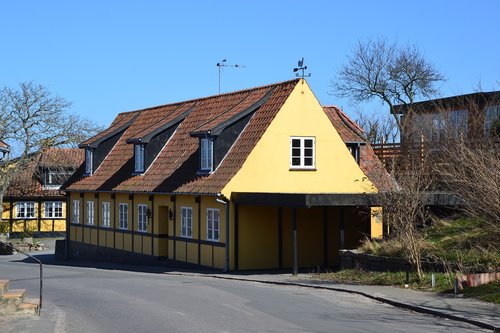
[
  {"x": 405, "y": 209},
  {"x": 33, "y": 120},
  {"x": 471, "y": 171},
  {"x": 392, "y": 73},
  {"x": 378, "y": 128}
]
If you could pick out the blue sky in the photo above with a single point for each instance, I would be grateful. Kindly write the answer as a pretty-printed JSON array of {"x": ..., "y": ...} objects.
[{"x": 108, "y": 57}]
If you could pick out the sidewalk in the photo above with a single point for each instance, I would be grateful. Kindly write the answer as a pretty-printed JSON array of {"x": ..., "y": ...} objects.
[{"x": 481, "y": 314}]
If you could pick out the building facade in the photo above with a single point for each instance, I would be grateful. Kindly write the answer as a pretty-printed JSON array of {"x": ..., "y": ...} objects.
[
  {"x": 472, "y": 116},
  {"x": 33, "y": 202},
  {"x": 256, "y": 179}
]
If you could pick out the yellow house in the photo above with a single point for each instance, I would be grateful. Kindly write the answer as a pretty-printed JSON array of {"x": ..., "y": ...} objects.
[
  {"x": 262, "y": 178},
  {"x": 33, "y": 201}
]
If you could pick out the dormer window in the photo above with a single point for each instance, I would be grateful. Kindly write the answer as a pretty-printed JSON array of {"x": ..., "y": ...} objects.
[
  {"x": 354, "y": 150},
  {"x": 89, "y": 160},
  {"x": 206, "y": 154},
  {"x": 139, "y": 158}
]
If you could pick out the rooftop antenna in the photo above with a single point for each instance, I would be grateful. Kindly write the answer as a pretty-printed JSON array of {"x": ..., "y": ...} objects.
[
  {"x": 223, "y": 63},
  {"x": 301, "y": 67}
]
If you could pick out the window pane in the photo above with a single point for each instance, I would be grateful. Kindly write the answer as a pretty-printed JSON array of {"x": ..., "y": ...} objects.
[{"x": 302, "y": 152}]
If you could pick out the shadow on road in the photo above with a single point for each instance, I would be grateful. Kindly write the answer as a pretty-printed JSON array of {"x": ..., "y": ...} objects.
[{"x": 162, "y": 267}]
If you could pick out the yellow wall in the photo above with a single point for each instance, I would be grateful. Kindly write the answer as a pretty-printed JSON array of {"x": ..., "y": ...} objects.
[
  {"x": 267, "y": 168},
  {"x": 187, "y": 250},
  {"x": 258, "y": 237},
  {"x": 376, "y": 223},
  {"x": 46, "y": 224},
  {"x": 160, "y": 223}
]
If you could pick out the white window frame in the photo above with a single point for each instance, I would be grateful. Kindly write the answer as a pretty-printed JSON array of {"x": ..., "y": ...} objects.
[
  {"x": 53, "y": 209},
  {"x": 25, "y": 210},
  {"x": 123, "y": 216},
  {"x": 213, "y": 224},
  {"x": 142, "y": 217},
  {"x": 106, "y": 217},
  {"x": 206, "y": 154},
  {"x": 76, "y": 212},
  {"x": 89, "y": 160},
  {"x": 90, "y": 212},
  {"x": 139, "y": 158},
  {"x": 299, "y": 152},
  {"x": 187, "y": 222}
]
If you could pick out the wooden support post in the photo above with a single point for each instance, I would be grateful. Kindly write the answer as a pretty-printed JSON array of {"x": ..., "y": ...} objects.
[{"x": 294, "y": 242}]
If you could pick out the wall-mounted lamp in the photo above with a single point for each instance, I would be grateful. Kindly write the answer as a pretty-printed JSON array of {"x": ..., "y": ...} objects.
[
  {"x": 149, "y": 213},
  {"x": 171, "y": 215}
]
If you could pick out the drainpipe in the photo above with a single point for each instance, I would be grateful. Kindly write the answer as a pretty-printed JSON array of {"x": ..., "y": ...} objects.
[{"x": 225, "y": 201}]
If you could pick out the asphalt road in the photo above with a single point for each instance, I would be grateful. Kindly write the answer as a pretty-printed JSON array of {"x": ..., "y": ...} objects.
[{"x": 116, "y": 298}]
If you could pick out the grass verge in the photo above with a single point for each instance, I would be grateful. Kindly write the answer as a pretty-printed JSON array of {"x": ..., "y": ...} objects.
[{"x": 443, "y": 282}]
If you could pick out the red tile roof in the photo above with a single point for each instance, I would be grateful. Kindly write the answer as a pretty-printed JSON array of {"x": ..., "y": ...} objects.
[
  {"x": 28, "y": 182},
  {"x": 175, "y": 168},
  {"x": 349, "y": 131}
]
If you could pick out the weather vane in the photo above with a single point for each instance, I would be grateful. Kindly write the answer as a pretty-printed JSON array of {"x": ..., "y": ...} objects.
[
  {"x": 301, "y": 67},
  {"x": 223, "y": 63}
]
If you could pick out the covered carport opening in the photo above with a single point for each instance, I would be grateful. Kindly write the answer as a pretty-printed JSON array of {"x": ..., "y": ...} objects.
[{"x": 292, "y": 230}]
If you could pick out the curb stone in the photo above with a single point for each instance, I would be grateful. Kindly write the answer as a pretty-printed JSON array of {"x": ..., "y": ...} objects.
[{"x": 419, "y": 309}]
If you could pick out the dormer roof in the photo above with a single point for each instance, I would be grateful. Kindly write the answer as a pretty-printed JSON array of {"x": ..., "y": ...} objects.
[{"x": 121, "y": 122}]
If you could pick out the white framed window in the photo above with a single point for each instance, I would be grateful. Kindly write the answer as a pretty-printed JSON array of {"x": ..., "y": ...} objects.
[
  {"x": 123, "y": 216},
  {"x": 53, "y": 209},
  {"x": 139, "y": 158},
  {"x": 302, "y": 152},
  {"x": 213, "y": 224},
  {"x": 76, "y": 211},
  {"x": 25, "y": 210},
  {"x": 186, "y": 222},
  {"x": 106, "y": 220},
  {"x": 206, "y": 154},
  {"x": 53, "y": 179},
  {"x": 142, "y": 217},
  {"x": 90, "y": 212},
  {"x": 89, "y": 160}
]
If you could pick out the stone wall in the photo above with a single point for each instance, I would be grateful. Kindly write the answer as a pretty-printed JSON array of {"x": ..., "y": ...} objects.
[{"x": 350, "y": 259}]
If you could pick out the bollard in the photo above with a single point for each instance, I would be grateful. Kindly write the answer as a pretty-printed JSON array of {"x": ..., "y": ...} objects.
[{"x": 433, "y": 280}]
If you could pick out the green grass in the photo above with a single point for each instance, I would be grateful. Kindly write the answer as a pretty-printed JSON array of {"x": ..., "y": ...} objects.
[
  {"x": 466, "y": 242},
  {"x": 467, "y": 245},
  {"x": 444, "y": 284},
  {"x": 489, "y": 292},
  {"x": 397, "y": 279}
]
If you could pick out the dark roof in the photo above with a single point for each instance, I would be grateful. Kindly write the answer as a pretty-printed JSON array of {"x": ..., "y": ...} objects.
[
  {"x": 451, "y": 103},
  {"x": 175, "y": 168},
  {"x": 27, "y": 182}
]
